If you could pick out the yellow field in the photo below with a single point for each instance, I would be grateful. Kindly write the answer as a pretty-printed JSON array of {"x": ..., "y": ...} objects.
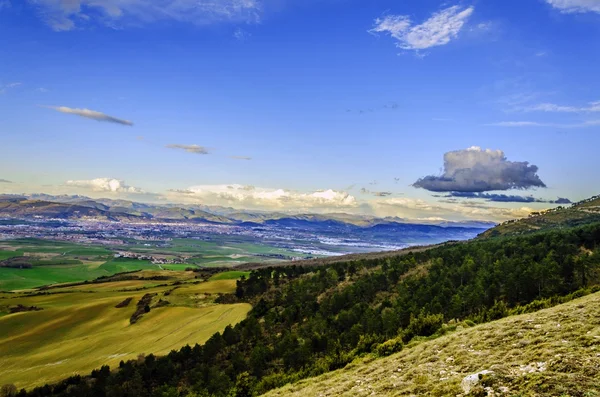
[{"x": 80, "y": 331}]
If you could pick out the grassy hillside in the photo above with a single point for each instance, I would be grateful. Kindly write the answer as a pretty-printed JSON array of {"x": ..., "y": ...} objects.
[
  {"x": 553, "y": 352},
  {"x": 581, "y": 213},
  {"x": 80, "y": 328}
]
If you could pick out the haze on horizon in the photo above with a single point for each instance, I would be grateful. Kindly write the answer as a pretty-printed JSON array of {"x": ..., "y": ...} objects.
[{"x": 420, "y": 109}]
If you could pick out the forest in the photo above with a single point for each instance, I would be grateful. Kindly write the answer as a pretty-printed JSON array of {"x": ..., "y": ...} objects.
[{"x": 309, "y": 320}]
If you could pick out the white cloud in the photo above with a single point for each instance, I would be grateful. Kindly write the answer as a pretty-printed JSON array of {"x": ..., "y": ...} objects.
[
  {"x": 90, "y": 114},
  {"x": 593, "y": 107},
  {"x": 243, "y": 196},
  {"x": 63, "y": 15},
  {"x": 439, "y": 29},
  {"x": 105, "y": 185},
  {"x": 585, "y": 124},
  {"x": 575, "y": 6},
  {"x": 196, "y": 149}
]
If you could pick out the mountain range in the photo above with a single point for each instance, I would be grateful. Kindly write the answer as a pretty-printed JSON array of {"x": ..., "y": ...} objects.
[{"x": 81, "y": 207}]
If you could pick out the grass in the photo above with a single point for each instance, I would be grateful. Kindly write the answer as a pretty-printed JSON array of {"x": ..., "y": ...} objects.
[
  {"x": 553, "y": 352},
  {"x": 78, "y": 331},
  {"x": 232, "y": 275},
  {"x": 9, "y": 254},
  {"x": 121, "y": 265},
  {"x": 19, "y": 279}
]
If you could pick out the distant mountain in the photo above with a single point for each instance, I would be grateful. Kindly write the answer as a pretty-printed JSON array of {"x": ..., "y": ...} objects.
[
  {"x": 578, "y": 214},
  {"x": 38, "y": 208},
  {"x": 78, "y": 207}
]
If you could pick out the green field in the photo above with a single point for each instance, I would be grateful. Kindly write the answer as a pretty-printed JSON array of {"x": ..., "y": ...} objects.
[{"x": 80, "y": 329}]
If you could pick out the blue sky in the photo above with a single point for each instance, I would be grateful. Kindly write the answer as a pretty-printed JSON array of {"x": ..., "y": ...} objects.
[{"x": 331, "y": 105}]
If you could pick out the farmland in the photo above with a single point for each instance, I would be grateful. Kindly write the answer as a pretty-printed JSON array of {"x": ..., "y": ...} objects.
[
  {"x": 55, "y": 262},
  {"x": 79, "y": 327}
]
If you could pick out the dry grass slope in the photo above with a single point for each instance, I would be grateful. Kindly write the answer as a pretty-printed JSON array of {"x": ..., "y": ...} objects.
[{"x": 554, "y": 352}]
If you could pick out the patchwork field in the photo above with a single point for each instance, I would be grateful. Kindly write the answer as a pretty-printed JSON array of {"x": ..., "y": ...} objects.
[
  {"x": 54, "y": 262},
  {"x": 79, "y": 328}
]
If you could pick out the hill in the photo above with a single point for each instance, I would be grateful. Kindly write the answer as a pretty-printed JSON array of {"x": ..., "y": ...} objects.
[
  {"x": 553, "y": 352},
  {"x": 581, "y": 213}
]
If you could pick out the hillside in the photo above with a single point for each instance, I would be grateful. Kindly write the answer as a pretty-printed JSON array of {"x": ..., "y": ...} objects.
[
  {"x": 581, "y": 213},
  {"x": 553, "y": 352},
  {"x": 54, "y": 332}
]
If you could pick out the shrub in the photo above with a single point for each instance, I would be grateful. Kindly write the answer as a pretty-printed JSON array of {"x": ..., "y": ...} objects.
[
  {"x": 390, "y": 347},
  {"x": 422, "y": 325},
  {"x": 367, "y": 343},
  {"x": 498, "y": 311}
]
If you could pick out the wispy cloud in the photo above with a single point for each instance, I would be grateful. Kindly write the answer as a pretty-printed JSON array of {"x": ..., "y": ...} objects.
[
  {"x": 111, "y": 185},
  {"x": 90, "y": 114},
  {"x": 241, "y": 35},
  {"x": 575, "y": 6},
  {"x": 6, "y": 87},
  {"x": 478, "y": 170},
  {"x": 5, "y": 181},
  {"x": 506, "y": 198},
  {"x": 592, "y": 107},
  {"x": 375, "y": 193},
  {"x": 195, "y": 149},
  {"x": 442, "y": 27},
  {"x": 241, "y": 158},
  {"x": 63, "y": 15},
  {"x": 387, "y": 106},
  {"x": 513, "y": 124}
]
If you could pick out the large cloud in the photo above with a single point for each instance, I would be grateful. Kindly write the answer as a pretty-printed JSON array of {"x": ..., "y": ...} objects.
[
  {"x": 90, "y": 114},
  {"x": 478, "y": 170},
  {"x": 243, "y": 196},
  {"x": 196, "y": 149},
  {"x": 439, "y": 29},
  {"x": 575, "y": 6},
  {"x": 105, "y": 185},
  {"x": 63, "y": 15}
]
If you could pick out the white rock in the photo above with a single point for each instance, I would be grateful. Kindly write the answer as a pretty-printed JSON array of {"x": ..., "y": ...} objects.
[{"x": 472, "y": 380}]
